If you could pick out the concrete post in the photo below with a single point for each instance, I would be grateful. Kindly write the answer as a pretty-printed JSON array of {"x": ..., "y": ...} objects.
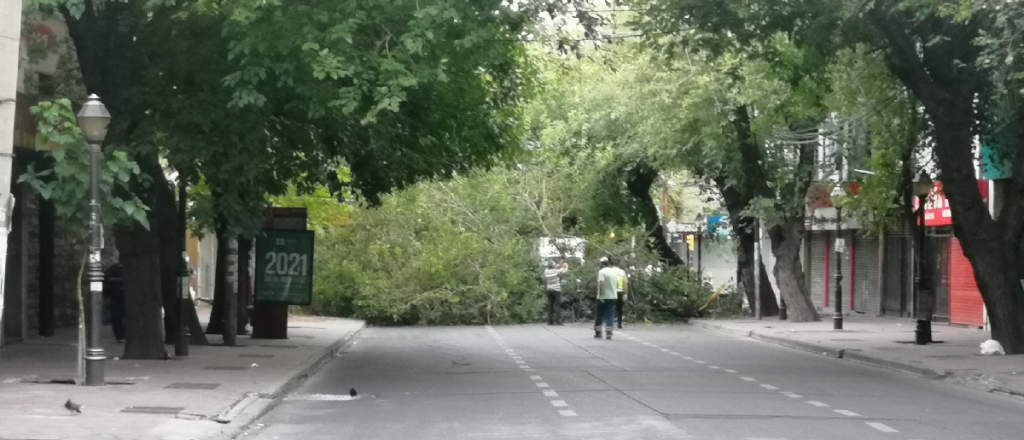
[{"x": 10, "y": 51}]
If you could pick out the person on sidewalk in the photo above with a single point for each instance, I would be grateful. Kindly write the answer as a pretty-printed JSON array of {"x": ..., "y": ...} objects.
[
  {"x": 620, "y": 301},
  {"x": 553, "y": 289},
  {"x": 609, "y": 278},
  {"x": 113, "y": 291}
]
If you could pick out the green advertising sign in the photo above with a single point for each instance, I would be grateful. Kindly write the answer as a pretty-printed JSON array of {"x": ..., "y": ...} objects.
[{"x": 284, "y": 266}]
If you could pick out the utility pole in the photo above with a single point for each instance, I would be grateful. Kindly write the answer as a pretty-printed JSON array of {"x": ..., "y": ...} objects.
[{"x": 10, "y": 54}]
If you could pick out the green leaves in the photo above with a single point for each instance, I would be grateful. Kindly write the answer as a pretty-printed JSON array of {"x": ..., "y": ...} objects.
[{"x": 65, "y": 178}]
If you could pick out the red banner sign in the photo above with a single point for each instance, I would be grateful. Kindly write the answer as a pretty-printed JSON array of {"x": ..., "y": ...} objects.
[{"x": 936, "y": 207}]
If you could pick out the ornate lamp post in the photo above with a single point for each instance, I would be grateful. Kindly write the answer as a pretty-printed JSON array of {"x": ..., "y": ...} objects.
[
  {"x": 837, "y": 318},
  {"x": 93, "y": 119},
  {"x": 923, "y": 334}
]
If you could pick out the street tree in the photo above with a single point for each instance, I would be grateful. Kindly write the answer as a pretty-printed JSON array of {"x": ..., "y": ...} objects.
[
  {"x": 395, "y": 92},
  {"x": 961, "y": 61}
]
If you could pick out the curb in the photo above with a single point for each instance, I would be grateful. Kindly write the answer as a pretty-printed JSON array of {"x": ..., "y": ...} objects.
[
  {"x": 893, "y": 365},
  {"x": 263, "y": 403},
  {"x": 838, "y": 353},
  {"x": 982, "y": 383}
]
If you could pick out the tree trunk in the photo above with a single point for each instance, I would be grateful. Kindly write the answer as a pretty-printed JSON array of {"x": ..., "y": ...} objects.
[
  {"x": 743, "y": 227},
  {"x": 787, "y": 239},
  {"x": 139, "y": 255},
  {"x": 216, "y": 324},
  {"x": 944, "y": 78},
  {"x": 165, "y": 213},
  {"x": 244, "y": 246},
  {"x": 639, "y": 181}
]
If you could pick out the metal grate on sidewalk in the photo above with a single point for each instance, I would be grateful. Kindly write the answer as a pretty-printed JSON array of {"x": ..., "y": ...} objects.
[
  {"x": 193, "y": 386},
  {"x": 169, "y": 410}
]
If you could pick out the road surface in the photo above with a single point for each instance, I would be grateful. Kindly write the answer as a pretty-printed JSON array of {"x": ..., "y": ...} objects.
[{"x": 650, "y": 382}]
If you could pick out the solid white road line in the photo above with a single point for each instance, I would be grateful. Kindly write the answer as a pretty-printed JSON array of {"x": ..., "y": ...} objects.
[{"x": 881, "y": 427}]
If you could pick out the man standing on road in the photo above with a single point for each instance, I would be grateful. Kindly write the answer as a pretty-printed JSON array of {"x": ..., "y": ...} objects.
[
  {"x": 553, "y": 288},
  {"x": 609, "y": 280}
]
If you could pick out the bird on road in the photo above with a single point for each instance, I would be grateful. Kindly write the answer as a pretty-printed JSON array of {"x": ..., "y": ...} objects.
[
  {"x": 73, "y": 407},
  {"x": 352, "y": 392}
]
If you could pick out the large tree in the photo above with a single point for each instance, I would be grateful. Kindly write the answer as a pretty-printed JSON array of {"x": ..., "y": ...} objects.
[
  {"x": 251, "y": 96},
  {"x": 942, "y": 51}
]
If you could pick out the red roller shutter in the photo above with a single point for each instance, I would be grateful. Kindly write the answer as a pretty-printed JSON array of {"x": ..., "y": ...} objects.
[{"x": 965, "y": 303}]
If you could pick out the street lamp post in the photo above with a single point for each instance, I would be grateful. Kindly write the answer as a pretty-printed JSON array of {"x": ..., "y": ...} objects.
[
  {"x": 837, "y": 318},
  {"x": 923, "y": 334},
  {"x": 93, "y": 119}
]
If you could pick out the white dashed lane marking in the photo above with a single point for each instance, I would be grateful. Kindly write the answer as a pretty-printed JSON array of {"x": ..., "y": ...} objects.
[
  {"x": 730, "y": 371},
  {"x": 534, "y": 377},
  {"x": 543, "y": 385},
  {"x": 847, "y": 413},
  {"x": 715, "y": 367},
  {"x": 675, "y": 354},
  {"x": 699, "y": 362},
  {"x": 559, "y": 403},
  {"x": 567, "y": 413},
  {"x": 818, "y": 404},
  {"x": 881, "y": 427},
  {"x": 550, "y": 393},
  {"x": 770, "y": 387},
  {"x": 791, "y": 394},
  {"x": 748, "y": 379}
]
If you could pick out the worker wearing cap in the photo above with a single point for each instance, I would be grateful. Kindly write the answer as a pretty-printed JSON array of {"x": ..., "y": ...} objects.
[{"x": 610, "y": 279}]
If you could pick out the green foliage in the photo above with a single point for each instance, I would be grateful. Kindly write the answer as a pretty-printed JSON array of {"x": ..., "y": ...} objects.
[
  {"x": 433, "y": 255},
  {"x": 64, "y": 179}
]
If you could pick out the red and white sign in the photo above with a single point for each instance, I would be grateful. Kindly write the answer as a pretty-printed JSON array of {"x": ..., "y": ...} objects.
[{"x": 936, "y": 208}]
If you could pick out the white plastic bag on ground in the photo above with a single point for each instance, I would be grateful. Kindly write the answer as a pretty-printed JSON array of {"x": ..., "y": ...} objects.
[{"x": 992, "y": 347}]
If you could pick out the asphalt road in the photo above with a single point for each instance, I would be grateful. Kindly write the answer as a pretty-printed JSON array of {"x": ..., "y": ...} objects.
[{"x": 650, "y": 382}]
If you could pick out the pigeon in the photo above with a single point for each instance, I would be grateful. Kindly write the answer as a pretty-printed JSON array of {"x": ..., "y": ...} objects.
[
  {"x": 352, "y": 392},
  {"x": 73, "y": 407}
]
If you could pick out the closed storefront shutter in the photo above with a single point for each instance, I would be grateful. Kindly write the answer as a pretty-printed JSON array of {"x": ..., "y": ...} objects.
[
  {"x": 817, "y": 268},
  {"x": 965, "y": 304},
  {"x": 897, "y": 271},
  {"x": 866, "y": 296}
]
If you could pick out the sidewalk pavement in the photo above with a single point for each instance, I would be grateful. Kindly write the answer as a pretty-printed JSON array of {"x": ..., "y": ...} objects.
[
  {"x": 211, "y": 394},
  {"x": 889, "y": 343}
]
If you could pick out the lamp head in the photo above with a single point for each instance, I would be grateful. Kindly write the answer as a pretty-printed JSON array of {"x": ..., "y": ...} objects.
[{"x": 93, "y": 119}]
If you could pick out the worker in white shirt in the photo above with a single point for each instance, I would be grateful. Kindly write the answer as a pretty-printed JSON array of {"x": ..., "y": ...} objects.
[{"x": 610, "y": 279}]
